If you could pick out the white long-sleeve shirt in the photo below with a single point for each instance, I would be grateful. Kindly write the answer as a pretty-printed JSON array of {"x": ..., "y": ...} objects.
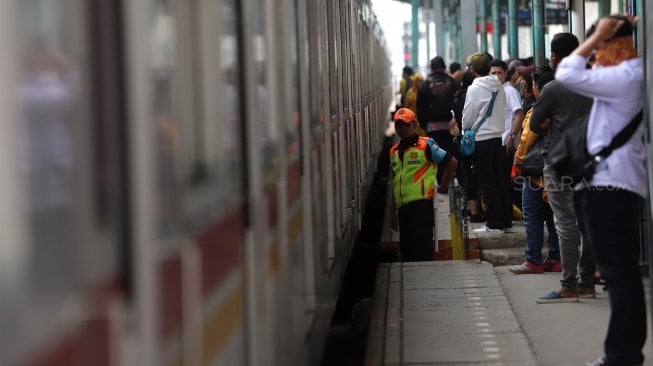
[
  {"x": 477, "y": 100},
  {"x": 513, "y": 104},
  {"x": 618, "y": 93}
]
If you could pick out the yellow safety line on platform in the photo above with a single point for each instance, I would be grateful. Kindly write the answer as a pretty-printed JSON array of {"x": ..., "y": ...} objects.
[{"x": 458, "y": 249}]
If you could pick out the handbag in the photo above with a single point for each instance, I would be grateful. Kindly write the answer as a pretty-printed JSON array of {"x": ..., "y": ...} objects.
[
  {"x": 468, "y": 140},
  {"x": 533, "y": 164},
  {"x": 570, "y": 159}
]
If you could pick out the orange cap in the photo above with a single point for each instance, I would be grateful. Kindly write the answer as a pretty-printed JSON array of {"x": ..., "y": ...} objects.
[{"x": 405, "y": 115}]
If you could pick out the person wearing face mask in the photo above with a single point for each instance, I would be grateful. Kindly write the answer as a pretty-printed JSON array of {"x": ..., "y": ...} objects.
[{"x": 609, "y": 204}]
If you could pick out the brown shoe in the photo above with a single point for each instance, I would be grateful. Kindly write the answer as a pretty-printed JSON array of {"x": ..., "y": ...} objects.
[{"x": 586, "y": 292}]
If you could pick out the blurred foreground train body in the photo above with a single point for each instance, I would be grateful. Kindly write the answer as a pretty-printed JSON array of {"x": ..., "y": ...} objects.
[{"x": 183, "y": 180}]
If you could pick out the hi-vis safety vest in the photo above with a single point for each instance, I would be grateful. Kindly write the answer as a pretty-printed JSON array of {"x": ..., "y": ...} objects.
[{"x": 414, "y": 177}]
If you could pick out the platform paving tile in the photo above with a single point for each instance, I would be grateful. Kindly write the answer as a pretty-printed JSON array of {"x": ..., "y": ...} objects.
[
  {"x": 454, "y": 312},
  {"x": 506, "y": 349}
]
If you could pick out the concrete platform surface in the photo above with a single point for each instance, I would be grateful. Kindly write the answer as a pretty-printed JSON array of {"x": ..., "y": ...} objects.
[{"x": 469, "y": 313}]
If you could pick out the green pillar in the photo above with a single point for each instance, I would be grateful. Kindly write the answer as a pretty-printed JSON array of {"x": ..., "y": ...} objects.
[
  {"x": 538, "y": 32},
  {"x": 639, "y": 35},
  {"x": 604, "y": 8},
  {"x": 459, "y": 36},
  {"x": 483, "y": 24},
  {"x": 414, "y": 47},
  {"x": 496, "y": 28},
  {"x": 621, "y": 6},
  {"x": 513, "y": 44}
]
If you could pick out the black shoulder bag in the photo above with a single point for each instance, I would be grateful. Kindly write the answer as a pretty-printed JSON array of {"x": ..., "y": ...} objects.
[{"x": 570, "y": 159}]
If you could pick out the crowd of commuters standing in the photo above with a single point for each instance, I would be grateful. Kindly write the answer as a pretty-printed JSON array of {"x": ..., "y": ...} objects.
[{"x": 518, "y": 113}]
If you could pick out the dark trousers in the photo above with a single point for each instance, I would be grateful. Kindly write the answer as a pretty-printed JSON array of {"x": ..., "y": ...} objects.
[
  {"x": 416, "y": 222},
  {"x": 469, "y": 179},
  {"x": 445, "y": 141},
  {"x": 514, "y": 189},
  {"x": 489, "y": 159},
  {"x": 608, "y": 220}
]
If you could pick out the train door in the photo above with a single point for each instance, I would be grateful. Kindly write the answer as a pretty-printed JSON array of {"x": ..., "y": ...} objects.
[
  {"x": 65, "y": 258},
  {"x": 188, "y": 181}
]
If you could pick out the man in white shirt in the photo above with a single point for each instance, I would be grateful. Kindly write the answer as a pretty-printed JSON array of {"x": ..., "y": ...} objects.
[
  {"x": 488, "y": 155},
  {"x": 514, "y": 115},
  {"x": 609, "y": 205}
]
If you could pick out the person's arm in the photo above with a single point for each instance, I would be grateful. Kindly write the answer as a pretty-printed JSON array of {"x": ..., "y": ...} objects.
[
  {"x": 605, "y": 29},
  {"x": 449, "y": 172},
  {"x": 528, "y": 139},
  {"x": 470, "y": 110},
  {"x": 542, "y": 109},
  {"x": 441, "y": 158},
  {"x": 600, "y": 82},
  {"x": 516, "y": 125},
  {"x": 394, "y": 218}
]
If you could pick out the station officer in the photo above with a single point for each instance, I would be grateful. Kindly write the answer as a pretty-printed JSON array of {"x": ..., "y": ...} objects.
[{"x": 415, "y": 162}]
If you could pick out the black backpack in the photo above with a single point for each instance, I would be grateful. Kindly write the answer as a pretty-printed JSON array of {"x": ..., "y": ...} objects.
[
  {"x": 569, "y": 157},
  {"x": 441, "y": 89}
]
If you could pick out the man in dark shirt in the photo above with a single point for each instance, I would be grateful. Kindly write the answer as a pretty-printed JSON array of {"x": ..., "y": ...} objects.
[
  {"x": 434, "y": 102},
  {"x": 564, "y": 108}
]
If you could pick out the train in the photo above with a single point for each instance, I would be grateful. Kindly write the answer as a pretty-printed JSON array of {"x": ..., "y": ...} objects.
[{"x": 183, "y": 181}]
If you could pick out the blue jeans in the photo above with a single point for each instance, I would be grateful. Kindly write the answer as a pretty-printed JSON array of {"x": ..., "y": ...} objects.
[{"x": 536, "y": 213}]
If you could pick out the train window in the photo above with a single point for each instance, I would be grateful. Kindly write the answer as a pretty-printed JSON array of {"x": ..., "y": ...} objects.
[
  {"x": 313, "y": 65},
  {"x": 230, "y": 161},
  {"x": 345, "y": 42},
  {"x": 333, "y": 40},
  {"x": 294, "y": 126},
  {"x": 166, "y": 127},
  {"x": 267, "y": 131},
  {"x": 67, "y": 240}
]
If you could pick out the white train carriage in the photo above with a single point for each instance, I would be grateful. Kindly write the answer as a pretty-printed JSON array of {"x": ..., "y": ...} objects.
[{"x": 183, "y": 180}]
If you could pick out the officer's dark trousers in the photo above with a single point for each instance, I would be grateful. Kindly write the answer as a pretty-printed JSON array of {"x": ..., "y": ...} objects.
[
  {"x": 608, "y": 220},
  {"x": 416, "y": 231}
]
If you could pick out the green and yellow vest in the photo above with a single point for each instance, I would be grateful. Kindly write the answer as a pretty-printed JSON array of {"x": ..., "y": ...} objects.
[{"x": 414, "y": 176}]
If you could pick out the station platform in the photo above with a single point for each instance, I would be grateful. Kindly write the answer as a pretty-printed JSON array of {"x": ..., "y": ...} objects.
[{"x": 469, "y": 312}]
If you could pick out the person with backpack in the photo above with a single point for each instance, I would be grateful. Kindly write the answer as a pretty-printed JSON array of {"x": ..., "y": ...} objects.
[
  {"x": 609, "y": 204},
  {"x": 434, "y": 101},
  {"x": 564, "y": 109}
]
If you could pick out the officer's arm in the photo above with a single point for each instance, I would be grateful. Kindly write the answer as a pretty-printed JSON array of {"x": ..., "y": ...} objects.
[
  {"x": 449, "y": 172},
  {"x": 394, "y": 218},
  {"x": 442, "y": 158}
]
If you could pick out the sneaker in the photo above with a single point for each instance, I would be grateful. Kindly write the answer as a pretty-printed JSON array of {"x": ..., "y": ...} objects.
[
  {"x": 601, "y": 361},
  {"x": 586, "y": 292},
  {"x": 558, "y": 296},
  {"x": 527, "y": 268},
  {"x": 486, "y": 229},
  {"x": 551, "y": 265},
  {"x": 598, "y": 362}
]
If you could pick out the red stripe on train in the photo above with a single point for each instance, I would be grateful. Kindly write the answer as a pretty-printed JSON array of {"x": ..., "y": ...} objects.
[
  {"x": 89, "y": 342},
  {"x": 220, "y": 247}
]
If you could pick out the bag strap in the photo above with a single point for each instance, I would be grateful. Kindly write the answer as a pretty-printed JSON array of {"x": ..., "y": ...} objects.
[
  {"x": 622, "y": 137},
  {"x": 488, "y": 112}
]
